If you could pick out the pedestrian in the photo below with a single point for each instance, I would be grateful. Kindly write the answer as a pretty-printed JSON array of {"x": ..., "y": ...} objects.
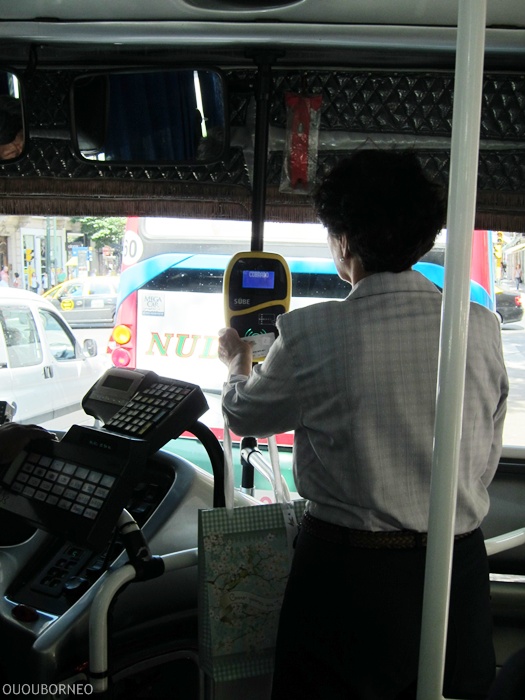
[
  {"x": 16, "y": 281},
  {"x": 35, "y": 286},
  {"x": 356, "y": 380},
  {"x": 517, "y": 275}
]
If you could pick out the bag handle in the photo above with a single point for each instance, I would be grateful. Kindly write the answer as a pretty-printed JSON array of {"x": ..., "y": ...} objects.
[
  {"x": 282, "y": 494},
  {"x": 281, "y": 491},
  {"x": 229, "y": 486}
]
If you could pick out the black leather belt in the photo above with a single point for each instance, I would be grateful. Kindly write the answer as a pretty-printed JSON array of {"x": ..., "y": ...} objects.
[{"x": 389, "y": 539}]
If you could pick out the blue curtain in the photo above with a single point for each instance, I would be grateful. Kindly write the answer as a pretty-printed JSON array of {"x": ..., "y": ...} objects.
[{"x": 152, "y": 117}]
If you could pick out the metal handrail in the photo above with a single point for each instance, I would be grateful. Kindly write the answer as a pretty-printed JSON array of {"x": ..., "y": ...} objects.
[{"x": 98, "y": 618}]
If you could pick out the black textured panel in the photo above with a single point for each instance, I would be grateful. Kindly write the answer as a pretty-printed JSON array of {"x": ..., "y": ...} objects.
[
  {"x": 356, "y": 102},
  {"x": 396, "y": 103}
]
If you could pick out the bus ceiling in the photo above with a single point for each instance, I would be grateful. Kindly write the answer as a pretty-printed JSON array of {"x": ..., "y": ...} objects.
[
  {"x": 368, "y": 84},
  {"x": 403, "y": 12}
]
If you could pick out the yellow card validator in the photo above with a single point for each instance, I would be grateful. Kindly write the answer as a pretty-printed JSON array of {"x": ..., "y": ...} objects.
[{"x": 261, "y": 344}]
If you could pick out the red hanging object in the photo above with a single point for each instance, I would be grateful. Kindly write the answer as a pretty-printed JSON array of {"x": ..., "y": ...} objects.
[{"x": 300, "y": 155}]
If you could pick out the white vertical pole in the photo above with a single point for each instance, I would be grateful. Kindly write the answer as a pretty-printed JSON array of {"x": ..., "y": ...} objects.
[{"x": 453, "y": 343}]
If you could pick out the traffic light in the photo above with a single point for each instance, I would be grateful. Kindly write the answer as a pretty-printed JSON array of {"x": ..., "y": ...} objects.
[
  {"x": 30, "y": 254},
  {"x": 498, "y": 248}
]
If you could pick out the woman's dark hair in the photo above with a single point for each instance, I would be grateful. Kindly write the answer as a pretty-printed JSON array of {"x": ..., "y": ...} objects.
[
  {"x": 383, "y": 206},
  {"x": 10, "y": 119}
]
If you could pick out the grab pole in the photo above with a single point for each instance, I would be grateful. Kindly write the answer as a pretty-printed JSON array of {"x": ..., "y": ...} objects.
[{"x": 453, "y": 344}]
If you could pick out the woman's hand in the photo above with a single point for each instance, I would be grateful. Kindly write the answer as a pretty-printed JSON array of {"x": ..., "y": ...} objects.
[{"x": 235, "y": 353}]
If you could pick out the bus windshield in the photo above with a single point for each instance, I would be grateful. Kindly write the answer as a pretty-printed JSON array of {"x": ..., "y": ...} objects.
[{"x": 170, "y": 305}]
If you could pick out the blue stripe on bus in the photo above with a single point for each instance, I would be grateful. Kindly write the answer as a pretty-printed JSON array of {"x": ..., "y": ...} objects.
[
  {"x": 141, "y": 273},
  {"x": 436, "y": 274},
  {"x": 136, "y": 276}
]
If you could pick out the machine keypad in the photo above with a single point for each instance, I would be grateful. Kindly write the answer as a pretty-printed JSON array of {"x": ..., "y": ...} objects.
[
  {"x": 77, "y": 489},
  {"x": 147, "y": 409}
]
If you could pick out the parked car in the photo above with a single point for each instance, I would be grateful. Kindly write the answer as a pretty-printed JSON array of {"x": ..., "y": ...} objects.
[
  {"x": 88, "y": 301},
  {"x": 509, "y": 306},
  {"x": 43, "y": 369}
]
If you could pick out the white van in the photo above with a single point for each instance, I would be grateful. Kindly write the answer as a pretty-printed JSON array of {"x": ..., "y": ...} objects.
[{"x": 43, "y": 370}]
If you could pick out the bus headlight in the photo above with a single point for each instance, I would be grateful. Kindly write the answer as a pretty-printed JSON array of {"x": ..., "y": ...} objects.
[
  {"x": 121, "y": 335},
  {"x": 120, "y": 357}
]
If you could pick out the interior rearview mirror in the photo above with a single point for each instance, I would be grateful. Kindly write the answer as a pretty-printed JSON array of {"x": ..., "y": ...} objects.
[
  {"x": 12, "y": 138},
  {"x": 173, "y": 116}
]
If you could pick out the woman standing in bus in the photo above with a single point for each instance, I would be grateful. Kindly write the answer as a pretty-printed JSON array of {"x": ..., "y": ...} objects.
[{"x": 356, "y": 380}]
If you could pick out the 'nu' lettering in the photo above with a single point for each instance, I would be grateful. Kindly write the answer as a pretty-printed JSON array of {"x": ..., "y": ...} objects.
[
  {"x": 182, "y": 338},
  {"x": 157, "y": 342}
]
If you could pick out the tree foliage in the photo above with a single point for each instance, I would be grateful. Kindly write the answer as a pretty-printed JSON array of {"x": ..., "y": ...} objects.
[{"x": 108, "y": 230}]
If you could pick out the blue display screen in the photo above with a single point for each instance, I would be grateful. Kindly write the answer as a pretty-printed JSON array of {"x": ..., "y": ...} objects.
[{"x": 258, "y": 279}]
